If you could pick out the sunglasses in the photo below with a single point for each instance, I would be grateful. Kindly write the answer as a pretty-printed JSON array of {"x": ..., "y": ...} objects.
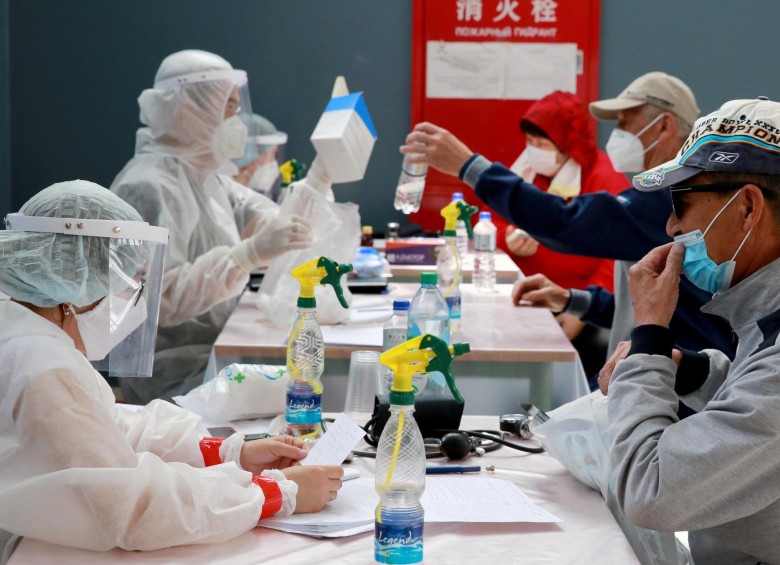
[{"x": 678, "y": 191}]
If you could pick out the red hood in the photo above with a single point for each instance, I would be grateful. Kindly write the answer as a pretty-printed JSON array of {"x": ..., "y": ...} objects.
[{"x": 566, "y": 121}]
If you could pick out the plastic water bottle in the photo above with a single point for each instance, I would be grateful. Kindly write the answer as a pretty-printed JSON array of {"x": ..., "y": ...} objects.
[
  {"x": 484, "y": 277},
  {"x": 400, "y": 482},
  {"x": 428, "y": 311},
  {"x": 449, "y": 268},
  {"x": 411, "y": 184},
  {"x": 305, "y": 363},
  {"x": 461, "y": 234},
  {"x": 429, "y": 314},
  {"x": 394, "y": 333}
]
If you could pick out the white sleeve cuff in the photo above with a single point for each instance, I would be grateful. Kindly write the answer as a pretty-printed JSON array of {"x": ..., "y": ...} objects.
[
  {"x": 289, "y": 491},
  {"x": 240, "y": 255},
  {"x": 230, "y": 450}
]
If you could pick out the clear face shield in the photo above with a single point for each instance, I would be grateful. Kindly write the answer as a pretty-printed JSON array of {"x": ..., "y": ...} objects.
[
  {"x": 230, "y": 138},
  {"x": 262, "y": 158},
  {"x": 119, "y": 332}
]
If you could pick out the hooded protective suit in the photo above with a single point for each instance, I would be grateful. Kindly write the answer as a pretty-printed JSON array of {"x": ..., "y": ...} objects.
[
  {"x": 173, "y": 182},
  {"x": 566, "y": 122},
  {"x": 74, "y": 468}
]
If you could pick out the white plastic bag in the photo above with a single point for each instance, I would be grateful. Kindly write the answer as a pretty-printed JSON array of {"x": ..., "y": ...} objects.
[
  {"x": 239, "y": 392},
  {"x": 576, "y": 435},
  {"x": 336, "y": 234}
]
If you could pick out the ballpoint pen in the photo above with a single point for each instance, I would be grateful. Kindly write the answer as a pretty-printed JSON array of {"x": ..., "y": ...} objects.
[{"x": 457, "y": 469}]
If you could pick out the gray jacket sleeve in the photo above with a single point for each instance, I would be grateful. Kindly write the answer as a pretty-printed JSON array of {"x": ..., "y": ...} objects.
[{"x": 710, "y": 468}]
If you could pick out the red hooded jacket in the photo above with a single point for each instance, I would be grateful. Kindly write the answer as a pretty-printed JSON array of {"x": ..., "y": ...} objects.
[{"x": 566, "y": 121}]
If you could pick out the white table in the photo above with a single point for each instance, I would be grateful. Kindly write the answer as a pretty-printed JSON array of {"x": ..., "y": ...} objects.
[
  {"x": 518, "y": 354},
  {"x": 587, "y": 534}
]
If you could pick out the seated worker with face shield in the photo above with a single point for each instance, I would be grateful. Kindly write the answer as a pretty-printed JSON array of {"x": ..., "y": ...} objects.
[
  {"x": 259, "y": 167},
  {"x": 220, "y": 231},
  {"x": 84, "y": 276}
]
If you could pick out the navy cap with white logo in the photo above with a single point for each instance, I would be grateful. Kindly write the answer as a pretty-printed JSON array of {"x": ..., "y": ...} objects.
[{"x": 742, "y": 136}]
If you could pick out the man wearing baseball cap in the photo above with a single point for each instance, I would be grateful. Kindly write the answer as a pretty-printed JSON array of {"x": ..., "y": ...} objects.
[{"x": 716, "y": 473}]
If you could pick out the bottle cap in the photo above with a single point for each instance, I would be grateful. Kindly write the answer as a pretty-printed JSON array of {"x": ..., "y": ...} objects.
[
  {"x": 400, "y": 304},
  {"x": 457, "y": 196},
  {"x": 368, "y": 230},
  {"x": 485, "y": 215},
  {"x": 429, "y": 278}
]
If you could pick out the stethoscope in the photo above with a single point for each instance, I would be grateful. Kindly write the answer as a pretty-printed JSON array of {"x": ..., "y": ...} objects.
[{"x": 452, "y": 444}]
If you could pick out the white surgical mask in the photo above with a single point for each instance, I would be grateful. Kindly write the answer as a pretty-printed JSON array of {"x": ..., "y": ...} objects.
[
  {"x": 229, "y": 139},
  {"x": 264, "y": 176},
  {"x": 542, "y": 161},
  {"x": 103, "y": 328},
  {"x": 626, "y": 151}
]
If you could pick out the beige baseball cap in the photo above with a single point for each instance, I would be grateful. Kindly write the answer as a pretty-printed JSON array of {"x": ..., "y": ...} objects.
[{"x": 659, "y": 89}]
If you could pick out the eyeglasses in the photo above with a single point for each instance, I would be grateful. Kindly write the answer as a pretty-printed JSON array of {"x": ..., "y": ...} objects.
[{"x": 678, "y": 191}]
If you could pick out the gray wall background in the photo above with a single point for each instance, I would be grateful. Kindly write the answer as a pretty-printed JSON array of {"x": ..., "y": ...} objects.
[{"x": 72, "y": 71}]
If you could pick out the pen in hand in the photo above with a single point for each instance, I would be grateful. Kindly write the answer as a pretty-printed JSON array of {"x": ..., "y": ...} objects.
[{"x": 457, "y": 469}]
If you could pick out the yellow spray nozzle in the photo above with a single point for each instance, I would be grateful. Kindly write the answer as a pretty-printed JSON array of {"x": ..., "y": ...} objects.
[
  {"x": 450, "y": 213},
  {"x": 320, "y": 271},
  {"x": 291, "y": 171},
  {"x": 420, "y": 354}
]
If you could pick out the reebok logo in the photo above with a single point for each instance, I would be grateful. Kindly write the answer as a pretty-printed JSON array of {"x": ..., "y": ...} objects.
[{"x": 723, "y": 157}]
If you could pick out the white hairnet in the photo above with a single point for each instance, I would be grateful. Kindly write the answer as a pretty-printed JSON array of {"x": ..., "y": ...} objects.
[
  {"x": 182, "y": 119},
  {"x": 46, "y": 269}
]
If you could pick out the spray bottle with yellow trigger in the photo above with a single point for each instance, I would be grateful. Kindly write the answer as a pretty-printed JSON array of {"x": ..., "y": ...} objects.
[
  {"x": 400, "y": 456},
  {"x": 449, "y": 265},
  {"x": 306, "y": 351}
]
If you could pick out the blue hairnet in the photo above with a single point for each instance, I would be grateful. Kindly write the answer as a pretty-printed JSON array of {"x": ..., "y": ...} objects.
[{"x": 47, "y": 269}]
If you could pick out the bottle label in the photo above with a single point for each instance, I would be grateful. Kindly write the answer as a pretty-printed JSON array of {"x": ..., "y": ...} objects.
[
  {"x": 392, "y": 337},
  {"x": 484, "y": 242},
  {"x": 453, "y": 303},
  {"x": 398, "y": 544},
  {"x": 304, "y": 408}
]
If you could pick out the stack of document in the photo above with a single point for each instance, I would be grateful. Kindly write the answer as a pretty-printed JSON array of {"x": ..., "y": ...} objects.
[{"x": 446, "y": 499}]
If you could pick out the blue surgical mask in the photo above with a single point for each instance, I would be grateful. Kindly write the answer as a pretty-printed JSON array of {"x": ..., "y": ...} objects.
[{"x": 697, "y": 265}]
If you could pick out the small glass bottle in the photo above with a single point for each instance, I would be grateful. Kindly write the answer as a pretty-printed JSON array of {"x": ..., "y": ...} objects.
[{"x": 367, "y": 237}]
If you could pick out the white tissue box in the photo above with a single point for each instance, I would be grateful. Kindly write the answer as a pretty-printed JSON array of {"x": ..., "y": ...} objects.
[{"x": 344, "y": 138}]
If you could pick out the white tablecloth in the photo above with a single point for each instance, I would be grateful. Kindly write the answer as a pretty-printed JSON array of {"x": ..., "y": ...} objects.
[{"x": 588, "y": 533}]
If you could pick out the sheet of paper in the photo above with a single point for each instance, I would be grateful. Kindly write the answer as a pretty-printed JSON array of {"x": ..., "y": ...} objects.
[
  {"x": 476, "y": 499},
  {"x": 446, "y": 499},
  {"x": 470, "y": 70},
  {"x": 333, "y": 447},
  {"x": 499, "y": 70},
  {"x": 368, "y": 335},
  {"x": 534, "y": 70}
]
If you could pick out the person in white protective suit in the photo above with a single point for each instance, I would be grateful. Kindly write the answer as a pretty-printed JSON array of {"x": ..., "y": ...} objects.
[
  {"x": 195, "y": 118},
  {"x": 84, "y": 276},
  {"x": 258, "y": 168}
]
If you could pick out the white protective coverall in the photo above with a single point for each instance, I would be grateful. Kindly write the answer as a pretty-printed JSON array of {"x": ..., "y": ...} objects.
[
  {"x": 173, "y": 182},
  {"x": 77, "y": 470}
]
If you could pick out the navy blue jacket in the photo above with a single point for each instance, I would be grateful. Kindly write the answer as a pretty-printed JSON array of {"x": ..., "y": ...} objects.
[{"x": 625, "y": 227}]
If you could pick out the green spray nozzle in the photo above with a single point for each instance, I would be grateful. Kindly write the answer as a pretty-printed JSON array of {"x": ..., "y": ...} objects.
[
  {"x": 458, "y": 210},
  {"x": 320, "y": 271},
  {"x": 421, "y": 354},
  {"x": 291, "y": 171}
]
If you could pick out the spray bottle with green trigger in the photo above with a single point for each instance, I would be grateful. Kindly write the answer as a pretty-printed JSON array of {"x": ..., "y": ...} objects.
[
  {"x": 306, "y": 350},
  {"x": 400, "y": 457},
  {"x": 449, "y": 264}
]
